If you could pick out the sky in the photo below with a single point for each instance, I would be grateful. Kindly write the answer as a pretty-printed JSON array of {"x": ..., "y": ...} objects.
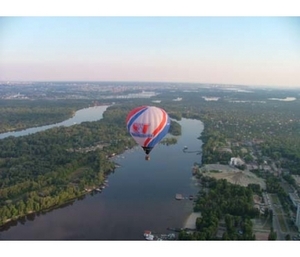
[{"x": 256, "y": 51}]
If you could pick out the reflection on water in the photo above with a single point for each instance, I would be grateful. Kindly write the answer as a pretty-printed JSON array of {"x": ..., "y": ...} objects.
[{"x": 140, "y": 196}]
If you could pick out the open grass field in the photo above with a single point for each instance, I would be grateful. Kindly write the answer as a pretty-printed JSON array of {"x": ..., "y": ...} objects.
[{"x": 232, "y": 175}]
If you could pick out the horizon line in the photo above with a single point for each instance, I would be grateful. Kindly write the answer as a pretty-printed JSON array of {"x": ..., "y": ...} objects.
[{"x": 162, "y": 82}]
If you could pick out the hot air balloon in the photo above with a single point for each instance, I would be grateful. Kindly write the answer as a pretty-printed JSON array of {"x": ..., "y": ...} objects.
[{"x": 148, "y": 125}]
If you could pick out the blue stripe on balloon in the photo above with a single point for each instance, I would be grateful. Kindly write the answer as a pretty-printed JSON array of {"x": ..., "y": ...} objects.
[
  {"x": 134, "y": 117},
  {"x": 161, "y": 135}
]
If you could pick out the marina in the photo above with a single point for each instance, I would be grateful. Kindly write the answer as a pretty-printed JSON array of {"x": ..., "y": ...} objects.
[
  {"x": 153, "y": 236},
  {"x": 148, "y": 235}
]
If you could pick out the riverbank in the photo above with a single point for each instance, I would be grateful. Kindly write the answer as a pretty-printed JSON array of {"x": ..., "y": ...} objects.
[
  {"x": 190, "y": 222},
  {"x": 11, "y": 221}
]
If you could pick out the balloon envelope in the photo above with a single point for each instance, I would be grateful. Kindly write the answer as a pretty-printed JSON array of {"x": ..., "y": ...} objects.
[{"x": 148, "y": 125}]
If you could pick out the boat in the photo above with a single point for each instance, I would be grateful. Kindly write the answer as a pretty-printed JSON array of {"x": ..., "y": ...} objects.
[
  {"x": 179, "y": 197},
  {"x": 148, "y": 235}
]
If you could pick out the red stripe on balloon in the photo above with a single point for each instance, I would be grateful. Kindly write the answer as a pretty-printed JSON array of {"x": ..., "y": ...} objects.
[{"x": 158, "y": 129}]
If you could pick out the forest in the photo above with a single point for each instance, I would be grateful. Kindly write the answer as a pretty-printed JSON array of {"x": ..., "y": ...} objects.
[{"x": 22, "y": 114}]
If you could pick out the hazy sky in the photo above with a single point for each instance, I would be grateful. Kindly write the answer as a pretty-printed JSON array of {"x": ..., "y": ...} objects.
[{"x": 229, "y": 50}]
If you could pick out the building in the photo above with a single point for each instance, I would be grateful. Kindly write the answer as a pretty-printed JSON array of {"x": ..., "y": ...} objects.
[
  {"x": 295, "y": 199},
  {"x": 296, "y": 202},
  {"x": 236, "y": 161}
]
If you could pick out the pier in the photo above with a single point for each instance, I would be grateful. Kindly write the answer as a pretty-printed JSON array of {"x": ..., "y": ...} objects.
[{"x": 181, "y": 197}]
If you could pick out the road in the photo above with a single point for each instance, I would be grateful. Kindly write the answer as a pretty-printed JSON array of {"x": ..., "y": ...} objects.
[{"x": 275, "y": 222}]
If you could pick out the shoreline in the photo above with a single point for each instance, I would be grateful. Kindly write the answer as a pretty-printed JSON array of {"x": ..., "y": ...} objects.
[{"x": 190, "y": 221}]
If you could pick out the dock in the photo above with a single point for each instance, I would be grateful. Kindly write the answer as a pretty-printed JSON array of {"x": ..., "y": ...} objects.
[
  {"x": 181, "y": 197},
  {"x": 148, "y": 235}
]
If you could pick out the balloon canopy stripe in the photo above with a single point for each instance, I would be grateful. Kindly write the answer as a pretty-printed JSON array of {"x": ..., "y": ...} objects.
[
  {"x": 134, "y": 115},
  {"x": 158, "y": 129},
  {"x": 134, "y": 111},
  {"x": 159, "y": 136}
]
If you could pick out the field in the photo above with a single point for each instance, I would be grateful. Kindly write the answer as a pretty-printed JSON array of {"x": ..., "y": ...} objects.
[{"x": 232, "y": 175}]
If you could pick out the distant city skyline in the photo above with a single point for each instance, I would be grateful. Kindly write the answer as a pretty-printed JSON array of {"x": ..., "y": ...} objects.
[{"x": 254, "y": 51}]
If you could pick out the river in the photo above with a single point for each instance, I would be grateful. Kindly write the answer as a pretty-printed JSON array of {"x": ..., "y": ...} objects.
[
  {"x": 140, "y": 196},
  {"x": 86, "y": 114}
]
